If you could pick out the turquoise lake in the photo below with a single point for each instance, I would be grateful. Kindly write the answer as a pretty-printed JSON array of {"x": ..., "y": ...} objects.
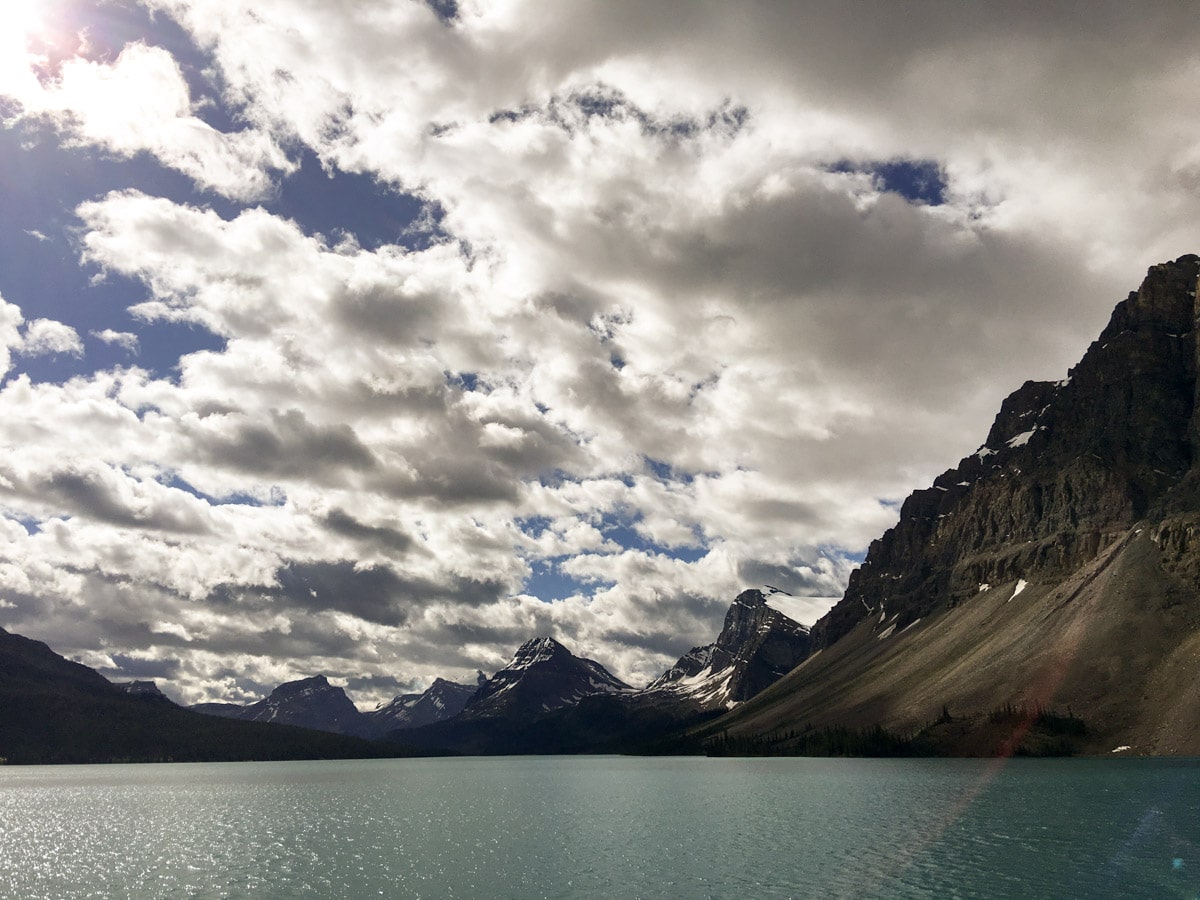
[{"x": 613, "y": 827}]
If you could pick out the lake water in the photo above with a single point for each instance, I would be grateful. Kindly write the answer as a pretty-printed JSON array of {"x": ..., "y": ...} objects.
[{"x": 611, "y": 827}]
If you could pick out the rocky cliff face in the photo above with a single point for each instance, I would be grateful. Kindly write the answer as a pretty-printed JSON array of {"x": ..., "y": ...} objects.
[
  {"x": 1067, "y": 467},
  {"x": 757, "y": 646},
  {"x": 1056, "y": 567}
]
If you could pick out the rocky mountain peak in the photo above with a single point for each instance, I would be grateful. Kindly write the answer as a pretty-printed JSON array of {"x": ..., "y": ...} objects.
[
  {"x": 147, "y": 690},
  {"x": 442, "y": 700},
  {"x": 309, "y": 703},
  {"x": 1165, "y": 299},
  {"x": 746, "y": 617},
  {"x": 303, "y": 686},
  {"x": 538, "y": 650},
  {"x": 757, "y": 646},
  {"x": 543, "y": 676}
]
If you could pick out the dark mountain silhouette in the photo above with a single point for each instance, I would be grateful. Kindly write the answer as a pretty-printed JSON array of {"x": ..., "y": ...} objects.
[
  {"x": 543, "y": 676},
  {"x": 528, "y": 706},
  {"x": 53, "y": 710},
  {"x": 146, "y": 690}
]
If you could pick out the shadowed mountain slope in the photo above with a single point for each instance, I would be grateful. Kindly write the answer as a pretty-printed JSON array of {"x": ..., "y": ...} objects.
[{"x": 1057, "y": 567}]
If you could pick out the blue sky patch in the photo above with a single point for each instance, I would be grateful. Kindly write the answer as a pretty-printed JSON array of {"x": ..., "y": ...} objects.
[
  {"x": 664, "y": 471},
  {"x": 917, "y": 180},
  {"x": 548, "y": 582},
  {"x": 30, "y": 524},
  {"x": 534, "y": 526},
  {"x": 239, "y": 498},
  {"x": 468, "y": 381},
  {"x": 621, "y": 528},
  {"x": 335, "y": 202}
]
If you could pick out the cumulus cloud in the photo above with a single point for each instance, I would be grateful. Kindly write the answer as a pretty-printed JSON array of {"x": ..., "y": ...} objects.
[
  {"x": 10, "y": 335},
  {"x": 44, "y": 336},
  {"x": 140, "y": 103},
  {"x": 40, "y": 337},
  {"x": 672, "y": 329},
  {"x": 127, "y": 340}
]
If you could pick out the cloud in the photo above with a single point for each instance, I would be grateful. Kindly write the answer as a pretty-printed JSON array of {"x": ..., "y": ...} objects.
[
  {"x": 676, "y": 329},
  {"x": 391, "y": 539},
  {"x": 40, "y": 337},
  {"x": 286, "y": 444},
  {"x": 127, "y": 340},
  {"x": 140, "y": 103},
  {"x": 105, "y": 495},
  {"x": 10, "y": 335},
  {"x": 45, "y": 336}
]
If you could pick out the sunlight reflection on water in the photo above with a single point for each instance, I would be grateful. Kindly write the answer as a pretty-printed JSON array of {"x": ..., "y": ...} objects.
[{"x": 601, "y": 827}]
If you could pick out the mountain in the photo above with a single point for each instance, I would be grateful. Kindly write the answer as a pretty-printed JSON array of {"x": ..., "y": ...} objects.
[
  {"x": 547, "y": 700},
  {"x": 315, "y": 703},
  {"x": 538, "y": 703},
  {"x": 1042, "y": 595},
  {"x": 145, "y": 690},
  {"x": 306, "y": 703},
  {"x": 757, "y": 646},
  {"x": 543, "y": 676},
  {"x": 223, "y": 710},
  {"x": 309, "y": 703},
  {"x": 53, "y": 710},
  {"x": 442, "y": 700}
]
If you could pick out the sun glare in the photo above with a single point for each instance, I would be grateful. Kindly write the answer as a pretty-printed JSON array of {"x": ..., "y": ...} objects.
[
  {"x": 21, "y": 23},
  {"x": 35, "y": 37},
  {"x": 23, "y": 18}
]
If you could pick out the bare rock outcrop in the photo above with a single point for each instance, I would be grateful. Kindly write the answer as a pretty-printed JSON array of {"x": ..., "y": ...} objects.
[{"x": 1066, "y": 468}]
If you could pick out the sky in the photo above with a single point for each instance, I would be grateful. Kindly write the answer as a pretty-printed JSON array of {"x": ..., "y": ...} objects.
[{"x": 374, "y": 337}]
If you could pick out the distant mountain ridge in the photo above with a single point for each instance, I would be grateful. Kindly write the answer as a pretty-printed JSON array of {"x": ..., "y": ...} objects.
[
  {"x": 309, "y": 703},
  {"x": 147, "y": 690},
  {"x": 315, "y": 703},
  {"x": 442, "y": 700},
  {"x": 53, "y": 710},
  {"x": 547, "y": 700}
]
